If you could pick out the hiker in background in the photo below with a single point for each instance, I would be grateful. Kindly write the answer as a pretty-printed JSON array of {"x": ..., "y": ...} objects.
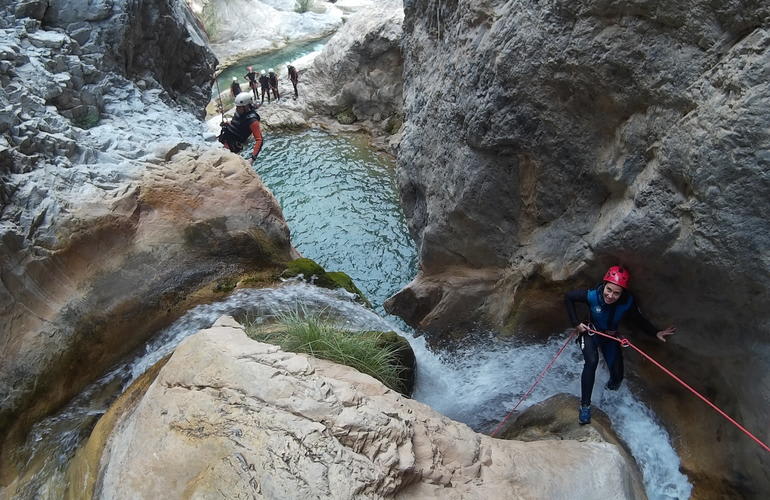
[
  {"x": 251, "y": 77},
  {"x": 244, "y": 124},
  {"x": 264, "y": 82},
  {"x": 235, "y": 88},
  {"x": 273, "y": 83},
  {"x": 608, "y": 303},
  {"x": 294, "y": 77}
]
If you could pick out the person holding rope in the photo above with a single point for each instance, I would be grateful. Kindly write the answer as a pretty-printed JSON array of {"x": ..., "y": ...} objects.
[
  {"x": 235, "y": 134},
  {"x": 608, "y": 304}
]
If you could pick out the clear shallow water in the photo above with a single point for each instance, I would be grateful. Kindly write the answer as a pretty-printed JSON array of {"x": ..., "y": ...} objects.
[
  {"x": 340, "y": 200},
  {"x": 277, "y": 60}
]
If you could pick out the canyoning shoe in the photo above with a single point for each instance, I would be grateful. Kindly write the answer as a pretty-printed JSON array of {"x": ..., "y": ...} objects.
[
  {"x": 613, "y": 386},
  {"x": 584, "y": 417}
]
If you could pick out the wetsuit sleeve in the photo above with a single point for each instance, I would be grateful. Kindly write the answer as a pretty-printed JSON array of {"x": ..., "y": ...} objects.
[
  {"x": 256, "y": 131},
  {"x": 635, "y": 315},
  {"x": 570, "y": 298}
]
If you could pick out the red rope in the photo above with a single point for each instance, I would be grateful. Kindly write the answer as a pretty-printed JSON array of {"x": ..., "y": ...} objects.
[
  {"x": 627, "y": 343},
  {"x": 539, "y": 378}
]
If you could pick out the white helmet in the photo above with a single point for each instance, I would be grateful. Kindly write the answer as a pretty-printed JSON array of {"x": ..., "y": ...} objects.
[
  {"x": 272, "y": 70},
  {"x": 244, "y": 99},
  {"x": 235, "y": 78},
  {"x": 263, "y": 72}
]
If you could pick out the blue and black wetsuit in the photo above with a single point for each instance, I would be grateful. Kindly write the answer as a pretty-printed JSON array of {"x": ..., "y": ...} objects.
[{"x": 605, "y": 318}]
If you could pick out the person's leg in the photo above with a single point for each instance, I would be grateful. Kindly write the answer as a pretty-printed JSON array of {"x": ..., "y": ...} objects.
[
  {"x": 296, "y": 94},
  {"x": 591, "y": 357},
  {"x": 613, "y": 355}
]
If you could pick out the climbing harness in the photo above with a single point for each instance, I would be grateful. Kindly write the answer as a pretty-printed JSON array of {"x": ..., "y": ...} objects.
[
  {"x": 624, "y": 342},
  {"x": 532, "y": 388}
]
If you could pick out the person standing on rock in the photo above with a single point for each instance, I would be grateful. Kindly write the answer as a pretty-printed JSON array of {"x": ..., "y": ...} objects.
[
  {"x": 608, "y": 304},
  {"x": 294, "y": 77},
  {"x": 245, "y": 123},
  {"x": 251, "y": 77},
  {"x": 273, "y": 83},
  {"x": 264, "y": 83},
  {"x": 235, "y": 87}
]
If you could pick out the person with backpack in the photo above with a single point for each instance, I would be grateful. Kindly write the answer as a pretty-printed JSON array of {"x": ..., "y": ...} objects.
[
  {"x": 608, "y": 303},
  {"x": 244, "y": 124}
]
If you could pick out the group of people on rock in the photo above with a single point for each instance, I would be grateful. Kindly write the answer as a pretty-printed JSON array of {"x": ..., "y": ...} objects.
[
  {"x": 264, "y": 83},
  {"x": 245, "y": 122}
]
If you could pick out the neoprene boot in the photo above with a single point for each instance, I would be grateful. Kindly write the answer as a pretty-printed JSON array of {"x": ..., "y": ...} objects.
[{"x": 584, "y": 416}]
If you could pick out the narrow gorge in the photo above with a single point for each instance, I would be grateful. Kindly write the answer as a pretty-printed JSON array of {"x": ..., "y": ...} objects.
[{"x": 452, "y": 168}]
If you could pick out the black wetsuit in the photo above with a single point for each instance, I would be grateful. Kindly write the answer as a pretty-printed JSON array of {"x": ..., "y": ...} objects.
[
  {"x": 235, "y": 89},
  {"x": 274, "y": 84},
  {"x": 252, "y": 78},
  {"x": 264, "y": 83},
  {"x": 605, "y": 318},
  {"x": 294, "y": 77},
  {"x": 235, "y": 133}
]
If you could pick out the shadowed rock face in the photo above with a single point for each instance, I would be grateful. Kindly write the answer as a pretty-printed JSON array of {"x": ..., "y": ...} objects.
[
  {"x": 546, "y": 141},
  {"x": 244, "y": 419}
]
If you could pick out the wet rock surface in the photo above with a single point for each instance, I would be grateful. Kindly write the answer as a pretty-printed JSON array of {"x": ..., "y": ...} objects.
[
  {"x": 111, "y": 209},
  {"x": 354, "y": 84},
  {"x": 547, "y": 141},
  {"x": 245, "y": 419}
]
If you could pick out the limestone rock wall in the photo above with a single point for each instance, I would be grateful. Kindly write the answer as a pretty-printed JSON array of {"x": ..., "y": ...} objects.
[
  {"x": 241, "y": 419},
  {"x": 358, "y": 74},
  {"x": 545, "y": 141},
  {"x": 113, "y": 209}
]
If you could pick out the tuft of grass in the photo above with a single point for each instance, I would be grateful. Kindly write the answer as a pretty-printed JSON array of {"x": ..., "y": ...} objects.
[
  {"x": 303, "y": 6},
  {"x": 311, "y": 334}
]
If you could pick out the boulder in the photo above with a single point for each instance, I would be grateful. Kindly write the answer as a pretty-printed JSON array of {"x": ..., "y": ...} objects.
[
  {"x": 114, "y": 269},
  {"x": 545, "y": 142},
  {"x": 237, "y": 418}
]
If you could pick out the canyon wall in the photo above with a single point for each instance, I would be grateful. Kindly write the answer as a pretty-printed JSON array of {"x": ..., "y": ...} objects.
[{"x": 545, "y": 141}]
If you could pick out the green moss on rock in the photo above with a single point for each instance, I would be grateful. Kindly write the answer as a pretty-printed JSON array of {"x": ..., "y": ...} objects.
[
  {"x": 346, "y": 117},
  {"x": 312, "y": 272}
]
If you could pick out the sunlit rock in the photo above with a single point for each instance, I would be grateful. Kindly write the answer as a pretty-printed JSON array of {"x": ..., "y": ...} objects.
[{"x": 244, "y": 419}]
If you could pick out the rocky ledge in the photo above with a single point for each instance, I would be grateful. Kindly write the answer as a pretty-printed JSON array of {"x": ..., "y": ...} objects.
[{"x": 233, "y": 417}]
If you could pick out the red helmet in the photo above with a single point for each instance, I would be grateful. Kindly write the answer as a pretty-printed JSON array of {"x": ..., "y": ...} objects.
[{"x": 618, "y": 275}]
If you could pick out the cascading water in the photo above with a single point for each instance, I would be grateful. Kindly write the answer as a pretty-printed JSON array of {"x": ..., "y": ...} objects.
[{"x": 341, "y": 204}]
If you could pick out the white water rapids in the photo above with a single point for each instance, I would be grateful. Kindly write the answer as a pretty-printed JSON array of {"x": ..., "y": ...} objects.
[{"x": 490, "y": 375}]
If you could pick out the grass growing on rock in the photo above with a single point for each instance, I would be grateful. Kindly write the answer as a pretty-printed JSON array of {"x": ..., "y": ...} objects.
[{"x": 311, "y": 334}]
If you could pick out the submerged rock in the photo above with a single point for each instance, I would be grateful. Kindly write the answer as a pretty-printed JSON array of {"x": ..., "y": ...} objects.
[
  {"x": 545, "y": 142},
  {"x": 245, "y": 419}
]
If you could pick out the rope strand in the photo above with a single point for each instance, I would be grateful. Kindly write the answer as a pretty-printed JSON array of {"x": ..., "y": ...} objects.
[{"x": 627, "y": 343}]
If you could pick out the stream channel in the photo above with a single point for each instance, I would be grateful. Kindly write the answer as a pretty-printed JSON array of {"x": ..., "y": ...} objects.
[{"x": 340, "y": 200}]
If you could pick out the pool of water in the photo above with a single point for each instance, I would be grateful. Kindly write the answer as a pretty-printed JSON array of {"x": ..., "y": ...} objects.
[
  {"x": 340, "y": 200},
  {"x": 277, "y": 60}
]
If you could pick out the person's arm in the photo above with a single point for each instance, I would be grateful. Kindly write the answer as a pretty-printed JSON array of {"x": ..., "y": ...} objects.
[
  {"x": 256, "y": 131},
  {"x": 570, "y": 298},
  {"x": 635, "y": 315}
]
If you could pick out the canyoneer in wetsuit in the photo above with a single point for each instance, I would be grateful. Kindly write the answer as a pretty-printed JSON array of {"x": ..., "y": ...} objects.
[
  {"x": 244, "y": 124},
  {"x": 608, "y": 304},
  {"x": 273, "y": 83},
  {"x": 235, "y": 87},
  {"x": 264, "y": 83},
  {"x": 251, "y": 77},
  {"x": 294, "y": 77}
]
